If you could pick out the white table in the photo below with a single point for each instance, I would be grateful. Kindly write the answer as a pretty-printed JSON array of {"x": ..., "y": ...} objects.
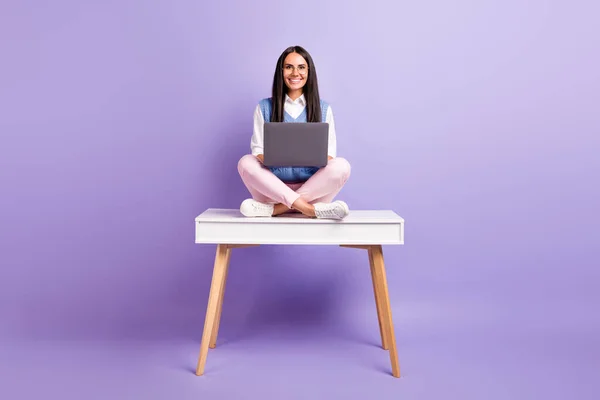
[{"x": 362, "y": 229}]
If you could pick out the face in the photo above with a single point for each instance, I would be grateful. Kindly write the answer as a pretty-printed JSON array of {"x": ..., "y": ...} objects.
[{"x": 295, "y": 71}]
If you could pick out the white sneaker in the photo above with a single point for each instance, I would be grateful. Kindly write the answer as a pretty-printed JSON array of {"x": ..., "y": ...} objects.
[
  {"x": 253, "y": 208},
  {"x": 336, "y": 210}
]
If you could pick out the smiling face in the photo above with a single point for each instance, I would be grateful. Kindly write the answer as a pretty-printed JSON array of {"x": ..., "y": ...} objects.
[{"x": 295, "y": 73}]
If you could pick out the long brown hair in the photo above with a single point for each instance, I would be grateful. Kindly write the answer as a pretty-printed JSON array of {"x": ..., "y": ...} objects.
[{"x": 310, "y": 89}]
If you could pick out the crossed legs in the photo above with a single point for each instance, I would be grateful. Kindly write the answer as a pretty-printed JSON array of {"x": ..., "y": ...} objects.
[{"x": 267, "y": 188}]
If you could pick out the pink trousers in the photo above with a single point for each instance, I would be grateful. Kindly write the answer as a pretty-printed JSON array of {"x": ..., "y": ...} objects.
[{"x": 265, "y": 187}]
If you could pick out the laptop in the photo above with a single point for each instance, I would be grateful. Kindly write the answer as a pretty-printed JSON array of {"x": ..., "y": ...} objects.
[{"x": 296, "y": 144}]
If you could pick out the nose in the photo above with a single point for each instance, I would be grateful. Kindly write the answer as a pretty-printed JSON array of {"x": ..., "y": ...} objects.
[{"x": 295, "y": 72}]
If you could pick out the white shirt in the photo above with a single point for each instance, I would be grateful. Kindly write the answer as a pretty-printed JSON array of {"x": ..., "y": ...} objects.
[{"x": 294, "y": 108}]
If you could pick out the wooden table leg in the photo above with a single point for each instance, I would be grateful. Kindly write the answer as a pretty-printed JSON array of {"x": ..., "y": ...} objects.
[
  {"x": 213, "y": 299},
  {"x": 378, "y": 303},
  {"x": 380, "y": 277},
  {"x": 217, "y": 322}
]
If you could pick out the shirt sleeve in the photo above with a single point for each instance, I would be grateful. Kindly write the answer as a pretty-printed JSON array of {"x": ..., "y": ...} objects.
[
  {"x": 256, "y": 142},
  {"x": 332, "y": 141}
]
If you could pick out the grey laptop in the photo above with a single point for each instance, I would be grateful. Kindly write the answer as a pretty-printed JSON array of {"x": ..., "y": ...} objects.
[{"x": 296, "y": 144}]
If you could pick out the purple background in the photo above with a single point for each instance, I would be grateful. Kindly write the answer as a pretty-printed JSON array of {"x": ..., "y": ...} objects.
[{"x": 476, "y": 121}]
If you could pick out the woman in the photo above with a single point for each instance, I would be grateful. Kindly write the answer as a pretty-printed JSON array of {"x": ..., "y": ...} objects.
[{"x": 275, "y": 191}]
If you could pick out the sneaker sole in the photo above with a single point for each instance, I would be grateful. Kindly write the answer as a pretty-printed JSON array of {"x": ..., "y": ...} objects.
[
  {"x": 249, "y": 211},
  {"x": 346, "y": 208}
]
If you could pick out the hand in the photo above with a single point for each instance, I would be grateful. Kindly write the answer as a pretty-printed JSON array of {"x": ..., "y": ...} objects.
[
  {"x": 261, "y": 158},
  {"x": 329, "y": 158}
]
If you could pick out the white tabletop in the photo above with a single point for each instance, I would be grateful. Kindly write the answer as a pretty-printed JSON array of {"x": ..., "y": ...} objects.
[
  {"x": 229, "y": 226},
  {"x": 355, "y": 216}
]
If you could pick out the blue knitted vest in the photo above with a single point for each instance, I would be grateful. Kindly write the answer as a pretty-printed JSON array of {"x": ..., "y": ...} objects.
[{"x": 292, "y": 174}]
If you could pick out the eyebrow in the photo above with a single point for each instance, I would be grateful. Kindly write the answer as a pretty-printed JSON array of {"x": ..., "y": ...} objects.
[{"x": 300, "y": 65}]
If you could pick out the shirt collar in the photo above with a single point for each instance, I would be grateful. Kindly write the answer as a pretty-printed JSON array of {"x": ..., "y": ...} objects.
[{"x": 300, "y": 100}]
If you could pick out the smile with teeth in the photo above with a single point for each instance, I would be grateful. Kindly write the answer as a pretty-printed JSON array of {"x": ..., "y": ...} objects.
[{"x": 295, "y": 80}]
